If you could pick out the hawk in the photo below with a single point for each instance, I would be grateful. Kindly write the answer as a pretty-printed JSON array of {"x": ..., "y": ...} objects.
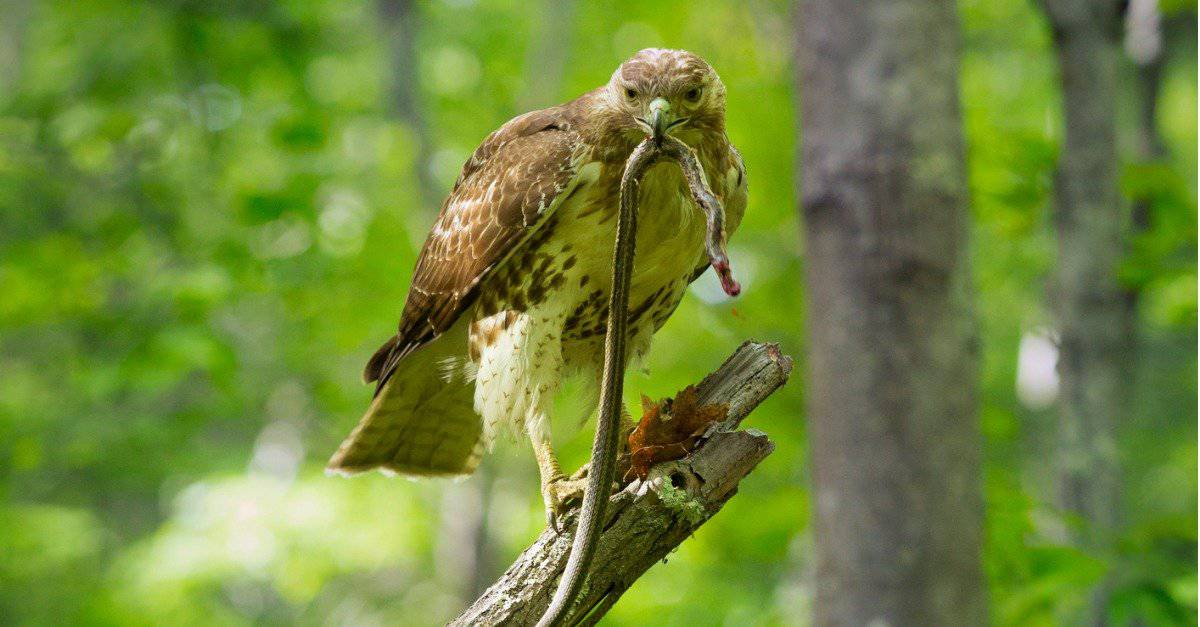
[{"x": 510, "y": 292}]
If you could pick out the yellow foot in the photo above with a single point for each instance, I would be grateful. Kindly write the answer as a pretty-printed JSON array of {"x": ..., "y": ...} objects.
[{"x": 557, "y": 495}]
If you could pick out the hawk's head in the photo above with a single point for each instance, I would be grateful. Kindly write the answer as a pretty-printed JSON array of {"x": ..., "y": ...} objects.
[{"x": 663, "y": 91}]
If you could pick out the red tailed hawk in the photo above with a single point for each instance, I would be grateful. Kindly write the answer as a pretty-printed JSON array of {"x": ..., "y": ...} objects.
[{"x": 510, "y": 293}]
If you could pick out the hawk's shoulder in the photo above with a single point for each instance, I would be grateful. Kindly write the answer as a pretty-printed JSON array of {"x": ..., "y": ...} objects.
[
  {"x": 506, "y": 190},
  {"x": 563, "y": 118}
]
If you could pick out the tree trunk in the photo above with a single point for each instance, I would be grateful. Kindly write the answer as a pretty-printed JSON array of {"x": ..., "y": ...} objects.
[
  {"x": 546, "y": 61},
  {"x": 468, "y": 542},
  {"x": 399, "y": 18},
  {"x": 462, "y": 540},
  {"x": 1089, "y": 300},
  {"x": 14, "y": 20},
  {"x": 1143, "y": 46},
  {"x": 892, "y": 346}
]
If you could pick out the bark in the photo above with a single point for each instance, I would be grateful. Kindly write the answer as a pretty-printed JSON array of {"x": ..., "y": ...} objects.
[
  {"x": 545, "y": 67},
  {"x": 14, "y": 21},
  {"x": 1143, "y": 46},
  {"x": 399, "y": 21},
  {"x": 647, "y": 520},
  {"x": 463, "y": 546},
  {"x": 892, "y": 360},
  {"x": 1090, "y": 303},
  {"x": 546, "y": 61}
]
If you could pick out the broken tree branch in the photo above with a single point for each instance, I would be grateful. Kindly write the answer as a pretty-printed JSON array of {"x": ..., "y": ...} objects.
[{"x": 648, "y": 519}]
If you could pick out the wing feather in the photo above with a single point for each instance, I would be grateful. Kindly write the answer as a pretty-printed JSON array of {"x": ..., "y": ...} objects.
[{"x": 506, "y": 190}]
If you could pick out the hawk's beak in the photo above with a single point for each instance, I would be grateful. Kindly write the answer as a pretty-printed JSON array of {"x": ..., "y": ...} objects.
[
  {"x": 661, "y": 121},
  {"x": 660, "y": 118}
]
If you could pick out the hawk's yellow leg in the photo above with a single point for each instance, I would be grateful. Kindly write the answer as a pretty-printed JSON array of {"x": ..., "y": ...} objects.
[{"x": 558, "y": 490}]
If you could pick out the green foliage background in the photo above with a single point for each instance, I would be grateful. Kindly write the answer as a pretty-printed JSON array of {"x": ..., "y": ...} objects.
[{"x": 208, "y": 216}]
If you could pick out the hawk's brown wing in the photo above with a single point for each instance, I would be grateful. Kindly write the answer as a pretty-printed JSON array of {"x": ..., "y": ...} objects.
[{"x": 505, "y": 192}]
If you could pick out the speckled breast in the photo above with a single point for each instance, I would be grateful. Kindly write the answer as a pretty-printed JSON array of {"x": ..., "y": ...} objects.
[{"x": 564, "y": 271}]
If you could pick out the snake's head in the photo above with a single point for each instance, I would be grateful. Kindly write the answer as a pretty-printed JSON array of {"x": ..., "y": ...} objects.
[{"x": 725, "y": 273}]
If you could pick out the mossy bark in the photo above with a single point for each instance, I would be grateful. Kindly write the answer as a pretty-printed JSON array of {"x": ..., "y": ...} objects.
[
  {"x": 1090, "y": 225},
  {"x": 892, "y": 362}
]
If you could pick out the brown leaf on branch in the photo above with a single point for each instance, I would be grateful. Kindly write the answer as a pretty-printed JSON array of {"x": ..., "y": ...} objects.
[{"x": 669, "y": 429}]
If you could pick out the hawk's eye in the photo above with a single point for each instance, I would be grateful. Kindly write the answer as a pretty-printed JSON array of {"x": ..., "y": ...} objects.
[
  {"x": 630, "y": 93},
  {"x": 693, "y": 94}
]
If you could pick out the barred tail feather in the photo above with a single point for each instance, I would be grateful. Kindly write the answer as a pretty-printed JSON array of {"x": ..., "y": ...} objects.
[{"x": 419, "y": 424}]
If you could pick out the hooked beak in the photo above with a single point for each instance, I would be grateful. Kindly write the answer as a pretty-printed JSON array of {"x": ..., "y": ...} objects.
[
  {"x": 661, "y": 121},
  {"x": 660, "y": 117}
]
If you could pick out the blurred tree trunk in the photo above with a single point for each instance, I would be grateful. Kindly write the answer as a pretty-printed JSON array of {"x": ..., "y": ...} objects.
[
  {"x": 892, "y": 341},
  {"x": 14, "y": 18},
  {"x": 1144, "y": 47},
  {"x": 1090, "y": 303},
  {"x": 545, "y": 67},
  {"x": 462, "y": 550},
  {"x": 465, "y": 551},
  {"x": 468, "y": 547},
  {"x": 546, "y": 61},
  {"x": 399, "y": 18}
]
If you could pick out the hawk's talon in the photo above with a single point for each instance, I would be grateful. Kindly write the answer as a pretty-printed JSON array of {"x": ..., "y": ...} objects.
[{"x": 558, "y": 495}]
